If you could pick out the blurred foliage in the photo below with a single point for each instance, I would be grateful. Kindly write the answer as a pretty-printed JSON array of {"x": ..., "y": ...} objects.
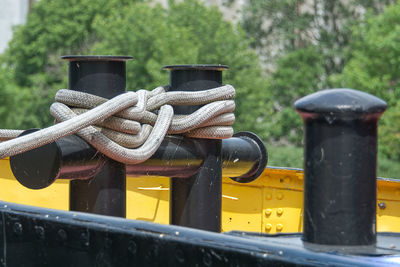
[
  {"x": 290, "y": 156},
  {"x": 312, "y": 45},
  {"x": 278, "y": 27},
  {"x": 187, "y": 32},
  {"x": 389, "y": 133},
  {"x": 308, "y": 44},
  {"x": 5, "y": 95},
  {"x": 176, "y": 36},
  {"x": 375, "y": 68},
  {"x": 297, "y": 74},
  {"x": 53, "y": 29},
  {"x": 11, "y": 96},
  {"x": 375, "y": 61}
]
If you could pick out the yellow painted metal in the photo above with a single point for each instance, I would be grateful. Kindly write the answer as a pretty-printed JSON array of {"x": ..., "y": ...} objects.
[
  {"x": 282, "y": 210},
  {"x": 241, "y": 207},
  {"x": 55, "y": 196},
  {"x": 148, "y": 199},
  {"x": 271, "y": 204},
  {"x": 388, "y": 206}
]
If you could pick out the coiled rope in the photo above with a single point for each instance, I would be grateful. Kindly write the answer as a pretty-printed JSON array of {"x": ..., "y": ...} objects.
[{"x": 130, "y": 127}]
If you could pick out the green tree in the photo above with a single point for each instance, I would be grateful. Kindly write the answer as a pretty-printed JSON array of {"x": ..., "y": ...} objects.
[
  {"x": 6, "y": 96},
  {"x": 375, "y": 68},
  {"x": 375, "y": 63},
  {"x": 185, "y": 32},
  {"x": 297, "y": 74},
  {"x": 278, "y": 27},
  {"x": 389, "y": 133},
  {"x": 16, "y": 102},
  {"x": 303, "y": 43},
  {"x": 53, "y": 28}
]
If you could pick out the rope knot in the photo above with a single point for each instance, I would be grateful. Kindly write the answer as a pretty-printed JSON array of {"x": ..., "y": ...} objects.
[{"x": 130, "y": 127}]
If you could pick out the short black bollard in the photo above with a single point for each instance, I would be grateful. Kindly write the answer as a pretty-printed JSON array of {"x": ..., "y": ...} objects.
[
  {"x": 196, "y": 201},
  {"x": 104, "y": 76},
  {"x": 340, "y": 166}
]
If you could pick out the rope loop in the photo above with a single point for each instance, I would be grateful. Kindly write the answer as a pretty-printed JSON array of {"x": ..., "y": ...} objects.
[{"x": 130, "y": 127}]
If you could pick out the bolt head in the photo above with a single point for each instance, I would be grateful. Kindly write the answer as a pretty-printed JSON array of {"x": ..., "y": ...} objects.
[
  {"x": 279, "y": 211},
  {"x": 62, "y": 235},
  {"x": 39, "y": 232},
  {"x": 17, "y": 228}
]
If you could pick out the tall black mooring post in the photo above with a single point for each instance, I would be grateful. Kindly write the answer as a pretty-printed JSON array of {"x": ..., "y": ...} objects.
[
  {"x": 196, "y": 201},
  {"x": 105, "y": 193},
  {"x": 340, "y": 127}
]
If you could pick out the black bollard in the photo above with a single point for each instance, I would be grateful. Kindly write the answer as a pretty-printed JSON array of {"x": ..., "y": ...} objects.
[
  {"x": 196, "y": 201},
  {"x": 105, "y": 193},
  {"x": 340, "y": 136}
]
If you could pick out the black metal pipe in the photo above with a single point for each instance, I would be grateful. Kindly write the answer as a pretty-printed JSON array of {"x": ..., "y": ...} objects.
[
  {"x": 177, "y": 156},
  {"x": 244, "y": 158},
  {"x": 340, "y": 166},
  {"x": 196, "y": 201},
  {"x": 67, "y": 158},
  {"x": 105, "y": 193}
]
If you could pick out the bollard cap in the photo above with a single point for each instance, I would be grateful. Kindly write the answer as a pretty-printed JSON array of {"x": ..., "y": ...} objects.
[
  {"x": 96, "y": 58},
  {"x": 340, "y": 101},
  {"x": 196, "y": 67}
]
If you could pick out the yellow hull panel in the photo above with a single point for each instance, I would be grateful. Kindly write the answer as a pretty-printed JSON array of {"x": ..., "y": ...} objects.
[{"x": 273, "y": 203}]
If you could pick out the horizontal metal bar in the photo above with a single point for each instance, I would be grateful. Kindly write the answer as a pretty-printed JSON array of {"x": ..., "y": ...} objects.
[
  {"x": 67, "y": 158},
  {"x": 244, "y": 157}
]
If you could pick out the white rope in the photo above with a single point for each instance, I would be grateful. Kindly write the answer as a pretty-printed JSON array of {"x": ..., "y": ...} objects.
[
  {"x": 6, "y": 134},
  {"x": 129, "y": 127}
]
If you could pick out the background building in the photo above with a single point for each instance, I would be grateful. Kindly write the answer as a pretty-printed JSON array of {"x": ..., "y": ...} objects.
[{"x": 12, "y": 13}]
